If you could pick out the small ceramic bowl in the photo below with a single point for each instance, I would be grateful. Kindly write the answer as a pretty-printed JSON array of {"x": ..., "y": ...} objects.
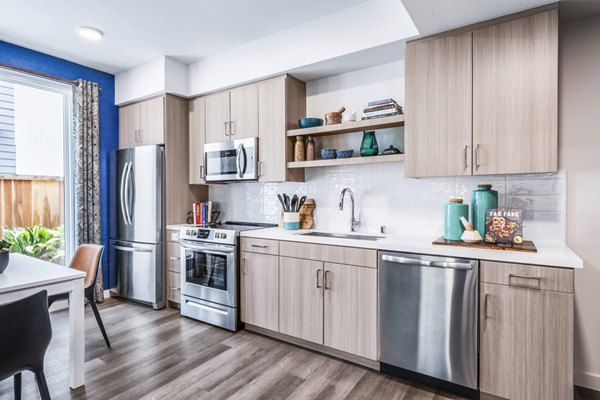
[
  {"x": 310, "y": 122},
  {"x": 328, "y": 154},
  {"x": 344, "y": 153}
]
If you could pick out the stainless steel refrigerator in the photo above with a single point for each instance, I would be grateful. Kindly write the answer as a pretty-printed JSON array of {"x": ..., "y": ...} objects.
[{"x": 136, "y": 229}]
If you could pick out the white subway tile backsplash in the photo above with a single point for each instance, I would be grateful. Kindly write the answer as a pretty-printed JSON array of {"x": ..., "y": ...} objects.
[{"x": 405, "y": 206}]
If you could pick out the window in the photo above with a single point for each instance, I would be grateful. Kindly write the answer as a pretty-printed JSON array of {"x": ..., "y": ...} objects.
[{"x": 35, "y": 175}]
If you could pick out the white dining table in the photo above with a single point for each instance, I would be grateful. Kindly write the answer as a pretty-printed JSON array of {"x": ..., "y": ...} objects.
[{"x": 25, "y": 276}]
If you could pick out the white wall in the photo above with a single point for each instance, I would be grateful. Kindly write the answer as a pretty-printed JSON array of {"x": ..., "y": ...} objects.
[
  {"x": 366, "y": 25},
  {"x": 385, "y": 197},
  {"x": 578, "y": 153},
  {"x": 39, "y": 131},
  {"x": 163, "y": 75}
]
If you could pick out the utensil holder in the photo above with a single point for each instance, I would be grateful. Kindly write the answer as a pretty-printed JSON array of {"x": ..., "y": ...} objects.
[{"x": 291, "y": 221}]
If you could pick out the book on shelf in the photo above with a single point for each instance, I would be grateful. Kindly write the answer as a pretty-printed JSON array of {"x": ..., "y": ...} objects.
[
  {"x": 367, "y": 117},
  {"x": 383, "y": 101},
  {"x": 382, "y": 112},
  {"x": 202, "y": 212},
  {"x": 382, "y": 108}
]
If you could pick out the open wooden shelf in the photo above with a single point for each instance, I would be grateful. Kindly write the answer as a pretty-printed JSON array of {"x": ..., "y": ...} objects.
[
  {"x": 346, "y": 161},
  {"x": 347, "y": 127}
]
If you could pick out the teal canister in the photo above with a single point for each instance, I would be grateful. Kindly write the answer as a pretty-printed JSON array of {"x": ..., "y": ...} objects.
[
  {"x": 453, "y": 227},
  {"x": 482, "y": 198}
]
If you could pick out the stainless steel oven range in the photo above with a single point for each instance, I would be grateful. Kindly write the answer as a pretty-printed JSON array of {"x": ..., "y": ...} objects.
[{"x": 210, "y": 272}]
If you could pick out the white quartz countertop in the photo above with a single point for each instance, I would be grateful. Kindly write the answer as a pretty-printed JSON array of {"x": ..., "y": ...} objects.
[
  {"x": 176, "y": 227},
  {"x": 552, "y": 256}
]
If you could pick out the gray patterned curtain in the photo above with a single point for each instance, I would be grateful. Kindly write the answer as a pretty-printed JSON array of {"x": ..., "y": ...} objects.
[{"x": 86, "y": 131}]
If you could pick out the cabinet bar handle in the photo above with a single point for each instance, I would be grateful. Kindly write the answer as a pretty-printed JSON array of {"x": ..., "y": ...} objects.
[
  {"x": 226, "y": 128},
  {"x": 466, "y": 161},
  {"x": 244, "y": 266},
  {"x": 485, "y": 309},
  {"x": 318, "y": 272},
  {"x": 326, "y": 281},
  {"x": 231, "y": 132},
  {"x": 477, "y": 159},
  {"x": 258, "y": 246},
  {"x": 202, "y": 172},
  {"x": 538, "y": 279}
]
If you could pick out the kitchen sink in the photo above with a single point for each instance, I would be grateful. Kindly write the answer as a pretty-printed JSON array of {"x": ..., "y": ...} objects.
[{"x": 344, "y": 236}]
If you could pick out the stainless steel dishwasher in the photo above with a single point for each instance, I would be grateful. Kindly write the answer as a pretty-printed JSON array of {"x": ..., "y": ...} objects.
[{"x": 428, "y": 320}]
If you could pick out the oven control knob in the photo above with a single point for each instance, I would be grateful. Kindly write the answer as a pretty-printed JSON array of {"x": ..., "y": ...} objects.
[{"x": 223, "y": 236}]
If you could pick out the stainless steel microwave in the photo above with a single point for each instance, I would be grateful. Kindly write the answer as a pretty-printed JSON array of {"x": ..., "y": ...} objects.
[{"x": 233, "y": 160}]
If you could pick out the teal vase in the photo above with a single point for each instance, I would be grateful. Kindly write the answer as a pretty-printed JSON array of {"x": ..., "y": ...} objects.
[
  {"x": 369, "y": 146},
  {"x": 453, "y": 227},
  {"x": 482, "y": 199}
]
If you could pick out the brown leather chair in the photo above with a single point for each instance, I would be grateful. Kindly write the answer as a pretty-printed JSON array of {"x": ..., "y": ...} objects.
[{"x": 87, "y": 259}]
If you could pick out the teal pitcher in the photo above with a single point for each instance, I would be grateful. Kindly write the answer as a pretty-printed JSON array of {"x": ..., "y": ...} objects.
[
  {"x": 482, "y": 199},
  {"x": 369, "y": 146}
]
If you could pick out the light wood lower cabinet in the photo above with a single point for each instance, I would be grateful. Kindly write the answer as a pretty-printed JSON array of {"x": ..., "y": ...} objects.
[
  {"x": 526, "y": 334},
  {"x": 301, "y": 299},
  {"x": 260, "y": 290},
  {"x": 351, "y": 309}
]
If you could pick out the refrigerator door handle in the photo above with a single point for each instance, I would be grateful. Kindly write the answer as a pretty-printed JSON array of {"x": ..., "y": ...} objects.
[
  {"x": 122, "y": 193},
  {"x": 126, "y": 190},
  {"x": 133, "y": 249},
  {"x": 131, "y": 188}
]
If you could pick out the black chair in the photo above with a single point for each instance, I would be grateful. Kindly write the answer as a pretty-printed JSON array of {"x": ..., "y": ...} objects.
[
  {"x": 25, "y": 334},
  {"x": 86, "y": 259}
]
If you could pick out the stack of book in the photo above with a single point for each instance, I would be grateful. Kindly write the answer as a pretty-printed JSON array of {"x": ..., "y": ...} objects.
[
  {"x": 381, "y": 108},
  {"x": 202, "y": 212}
]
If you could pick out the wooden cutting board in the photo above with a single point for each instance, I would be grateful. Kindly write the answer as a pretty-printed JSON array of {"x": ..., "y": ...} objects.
[{"x": 527, "y": 245}]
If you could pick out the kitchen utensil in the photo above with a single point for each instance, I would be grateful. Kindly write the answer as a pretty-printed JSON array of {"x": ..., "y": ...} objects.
[
  {"x": 454, "y": 211},
  {"x": 301, "y": 202},
  {"x": 391, "y": 150},
  {"x": 332, "y": 118},
  {"x": 291, "y": 221},
  {"x": 281, "y": 201},
  {"x": 286, "y": 199},
  {"x": 470, "y": 235},
  {"x": 307, "y": 209},
  {"x": 328, "y": 154},
  {"x": 294, "y": 203},
  {"x": 309, "y": 122},
  {"x": 369, "y": 146},
  {"x": 482, "y": 199},
  {"x": 344, "y": 153},
  {"x": 527, "y": 246}
]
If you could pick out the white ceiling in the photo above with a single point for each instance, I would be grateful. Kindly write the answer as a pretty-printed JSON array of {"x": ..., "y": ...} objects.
[{"x": 137, "y": 31}]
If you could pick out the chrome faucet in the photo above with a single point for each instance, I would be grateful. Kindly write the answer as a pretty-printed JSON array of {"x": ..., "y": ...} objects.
[{"x": 354, "y": 222}]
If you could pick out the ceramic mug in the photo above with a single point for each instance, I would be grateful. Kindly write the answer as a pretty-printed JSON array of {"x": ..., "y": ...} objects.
[{"x": 291, "y": 221}]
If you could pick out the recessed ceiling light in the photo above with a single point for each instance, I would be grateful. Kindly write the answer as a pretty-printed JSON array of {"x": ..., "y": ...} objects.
[{"x": 89, "y": 33}]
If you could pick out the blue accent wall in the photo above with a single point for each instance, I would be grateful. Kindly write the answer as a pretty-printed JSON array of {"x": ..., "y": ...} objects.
[{"x": 22, "y": 57}]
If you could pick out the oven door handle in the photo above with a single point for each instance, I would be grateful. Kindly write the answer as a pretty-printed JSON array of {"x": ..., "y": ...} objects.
[{"x": 208, "y": 249}]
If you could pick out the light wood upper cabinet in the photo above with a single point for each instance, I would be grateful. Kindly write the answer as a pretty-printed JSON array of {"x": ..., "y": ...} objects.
[
  {"x": 129, "y": 122},
  {"x": 152, "y": 121},
  {"x": 515, "y": 95},
  {"x": 281, "y": 102},
  {"x": 197, "y": 135},
  {"x": 438, "y": 123},
  {"x": 217, "y": 117},
  {"x": 526, "y": 334},
  {"x": 260, "y": 290},
  {"x": 142, "y": 124},
  {"x": 351, "y": 309},
  {"x": 301, "y": 299},
  {"x": 483, "y": 99},
  {"x": 244, "y": 112}
]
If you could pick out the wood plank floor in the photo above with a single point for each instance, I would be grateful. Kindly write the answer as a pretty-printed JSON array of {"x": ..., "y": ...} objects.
[{"x": 160, "y": 355}]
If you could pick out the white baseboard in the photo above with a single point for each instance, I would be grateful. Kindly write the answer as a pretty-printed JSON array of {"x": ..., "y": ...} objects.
[{"x": 587, "y": 380}]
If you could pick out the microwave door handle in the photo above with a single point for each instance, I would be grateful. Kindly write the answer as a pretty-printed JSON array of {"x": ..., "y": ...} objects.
[
  {"x": 245, "y": 159},
  {"x": 238, "y": 161}
]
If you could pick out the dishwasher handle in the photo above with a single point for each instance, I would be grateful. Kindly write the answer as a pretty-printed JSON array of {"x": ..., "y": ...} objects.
[{"x": 426, "y": 263}]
